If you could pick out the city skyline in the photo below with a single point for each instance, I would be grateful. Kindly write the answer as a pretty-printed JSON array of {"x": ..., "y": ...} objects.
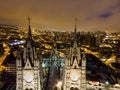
[
  {"x": 59, "y": 15},
  {"x": 55, "y": 60}
]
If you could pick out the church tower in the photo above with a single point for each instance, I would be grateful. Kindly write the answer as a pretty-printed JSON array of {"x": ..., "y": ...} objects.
[
  {"x": 28, "y": 66},
  {"x": 74, "y": 77}
]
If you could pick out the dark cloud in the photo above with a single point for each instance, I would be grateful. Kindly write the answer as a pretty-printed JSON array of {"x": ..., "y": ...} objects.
[
  {"x": 111, "y": 10},
  {"x": 106, "y": 15}
]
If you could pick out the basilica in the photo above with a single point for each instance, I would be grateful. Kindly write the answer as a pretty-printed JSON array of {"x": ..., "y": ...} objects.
[{"x": 70, "y": 76}]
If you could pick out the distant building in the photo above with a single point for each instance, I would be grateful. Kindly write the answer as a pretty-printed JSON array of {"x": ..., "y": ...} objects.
[
  {"x": 1, "y": 75},
  {"x": 11, "y": 68},
  {"x": 10, "y": 63},
  {"x": 99, "y": 37},
  {"x": 1, "y": 49},
  {"x": 118, "y": 59}
]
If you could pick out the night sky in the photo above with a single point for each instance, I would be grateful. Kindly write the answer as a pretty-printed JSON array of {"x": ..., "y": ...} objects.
[{"x": 93, "y": 15}]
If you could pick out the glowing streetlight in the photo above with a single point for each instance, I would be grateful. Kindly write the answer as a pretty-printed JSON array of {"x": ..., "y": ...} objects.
[{"x": 107, "y": 83}]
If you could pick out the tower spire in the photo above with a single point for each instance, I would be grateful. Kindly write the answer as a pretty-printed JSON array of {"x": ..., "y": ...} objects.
[
  {"x": 29, "y": 29},
  {"x": 75, "y": 30},
  {"x": 54, "y": 43},
  {"x": 29, "y": 20}
]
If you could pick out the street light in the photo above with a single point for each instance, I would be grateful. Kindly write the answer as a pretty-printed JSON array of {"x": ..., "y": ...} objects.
[{"x": 107, "y": 85}]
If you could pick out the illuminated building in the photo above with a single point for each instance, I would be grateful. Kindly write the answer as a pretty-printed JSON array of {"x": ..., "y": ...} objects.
[
  {"x": 10, "y": 64},
  {"x": 28, "y": 66},
  {"x": 74, "y": 77}
]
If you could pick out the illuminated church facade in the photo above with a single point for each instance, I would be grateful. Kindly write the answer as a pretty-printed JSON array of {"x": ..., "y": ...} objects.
[
  {"x": 28, "y": 66},
  {"x": 74, "y": 77}
]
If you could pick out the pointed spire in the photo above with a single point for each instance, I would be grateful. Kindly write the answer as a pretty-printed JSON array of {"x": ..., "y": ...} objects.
[
  {"x": 54, "y": 43},
  {"x": 75, "y": 30},
  {"x": 29, "y": 29}
]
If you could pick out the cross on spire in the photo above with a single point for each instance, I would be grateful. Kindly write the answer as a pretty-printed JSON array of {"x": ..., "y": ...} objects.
[
  {"x": 75, "y": 36},
  {"x": 76, "y": 20},
  {"x": 29, "y": 29},
  {"x": 29, "y": 20}
]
